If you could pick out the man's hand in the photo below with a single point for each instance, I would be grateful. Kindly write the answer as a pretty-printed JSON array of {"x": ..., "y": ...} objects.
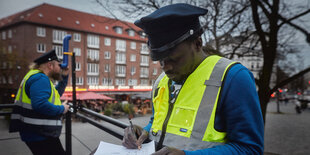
[
  {"x": 169, "y": 151},
  {"x": 130, "y": 140},
  {"x": 65, "y": 71},
  {"x": 66, "y": 106}
]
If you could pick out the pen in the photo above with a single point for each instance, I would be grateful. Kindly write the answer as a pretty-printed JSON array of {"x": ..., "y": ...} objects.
[{"x": 131, "y": 126}]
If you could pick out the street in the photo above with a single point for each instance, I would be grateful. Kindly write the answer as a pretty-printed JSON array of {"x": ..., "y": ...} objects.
[{"x": 285, "y": 134}]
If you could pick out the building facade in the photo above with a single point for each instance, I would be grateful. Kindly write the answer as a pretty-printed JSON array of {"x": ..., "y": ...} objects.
[{"x": 111, "y": 55}]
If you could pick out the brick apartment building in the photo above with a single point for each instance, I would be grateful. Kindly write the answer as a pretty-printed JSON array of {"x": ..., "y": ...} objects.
[{"x": 111, "y": 55}]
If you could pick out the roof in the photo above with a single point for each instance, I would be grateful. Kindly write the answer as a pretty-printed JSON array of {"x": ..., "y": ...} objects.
[{"x": 50, "y": 15}]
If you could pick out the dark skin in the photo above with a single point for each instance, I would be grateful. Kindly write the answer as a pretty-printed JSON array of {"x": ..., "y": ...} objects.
[{"x": 183, "y": 60}]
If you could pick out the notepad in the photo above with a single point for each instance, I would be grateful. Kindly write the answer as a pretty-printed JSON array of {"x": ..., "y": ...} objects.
[{"x": 105, "y": 148}]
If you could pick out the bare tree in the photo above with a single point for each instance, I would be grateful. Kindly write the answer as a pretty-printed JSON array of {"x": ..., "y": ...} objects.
[
  {"x": 269, "y": 39},
  {"x": 263, "y": 27},
  {"x": 12, "y": 68}
]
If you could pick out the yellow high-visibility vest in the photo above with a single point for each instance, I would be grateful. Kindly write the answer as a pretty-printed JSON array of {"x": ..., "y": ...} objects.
[
  {"x": 24, "y": 117},
  {"x": 190, "y": 119}
]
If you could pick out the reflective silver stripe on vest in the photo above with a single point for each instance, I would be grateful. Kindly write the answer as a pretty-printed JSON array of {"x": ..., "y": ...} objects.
[
  {"x": 35, "y": 121},
  {"x": 23, "y": 105},
  {"x": 209, "y": 97},
  {"x": 203, "y": 115}
]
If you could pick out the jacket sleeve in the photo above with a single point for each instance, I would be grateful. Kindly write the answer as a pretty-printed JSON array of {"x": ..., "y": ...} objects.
[
  {"x": 61, "y": 86},
  {"x": 239, "y": 115},
  {"x": 39, "y": 90}
]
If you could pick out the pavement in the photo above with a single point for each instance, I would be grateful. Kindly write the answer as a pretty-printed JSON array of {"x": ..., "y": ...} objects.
[{"x": 285, "y": 134}]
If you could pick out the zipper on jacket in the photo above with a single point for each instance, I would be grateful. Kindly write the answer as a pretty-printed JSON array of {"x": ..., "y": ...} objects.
[{"x": 164, "y": 127}]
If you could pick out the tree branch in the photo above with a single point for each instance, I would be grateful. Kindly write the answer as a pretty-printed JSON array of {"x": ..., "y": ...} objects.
[{"x": 288, "y": 80}]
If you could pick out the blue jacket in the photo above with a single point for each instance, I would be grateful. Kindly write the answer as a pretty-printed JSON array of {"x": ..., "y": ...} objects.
[
  {"x": 38, "y": 89},
  {"x": 238, "y": 114}
]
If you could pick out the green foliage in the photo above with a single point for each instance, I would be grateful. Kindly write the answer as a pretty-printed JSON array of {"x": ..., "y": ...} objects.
[
  {"x": 128, "y": 108},
  {"x": 108, "y": 112},
  {"x": 117, "y": 107}
]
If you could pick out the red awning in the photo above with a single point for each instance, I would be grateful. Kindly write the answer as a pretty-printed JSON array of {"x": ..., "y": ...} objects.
[{"x": 85, "y": 96}]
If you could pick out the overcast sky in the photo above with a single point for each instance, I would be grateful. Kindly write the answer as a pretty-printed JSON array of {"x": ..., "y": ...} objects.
[{"x": 9, "y": 7}]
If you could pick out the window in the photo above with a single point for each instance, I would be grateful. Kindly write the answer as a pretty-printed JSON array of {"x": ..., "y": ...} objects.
[
  {"x": 92, "y": 69},
  {"x": 41, "y": 48},
  {"x": 77, "y": 51},
  {"x": 131, "y": 33},
  {"x": 132, "y": 57},
  {"x": 120, "y": 82},
  {"x": 3, "y": 80},
  {"x": 133, "y": 45},
  {"x": 107, "y": 41},
  {"x": 93, "y": 54},
  {"x": 107, "y": 55},
  {"x": 41, "y": 32},
  {"x": 59, "y": 51},
  {"x": 107, "y": 81},
  {"x": 92, "y": 80},
  {"x": 10, "y": 34},
  {"x": 107, "y": 68},
  {"x": 93, "y": 41},
  {"x": 121, "y": 45},
  {"x": 77, "y": 37},
  {"x": 58, "y": 36},
  {"x": 4, "y": 65},
  {"x": 10, "y": 80},
  {"x": 3, "y": 35},
  {"x": 144, "y": 72},
  {"x": 155, "y": 71},
  {"x": 9, "y": 49},
  {"x": 144, "y": 49},
  {"x": 120, "y": 71},
  {"x": 120, "y": 58},
  {"x": 132, "y": 82},
  {"x": 144, "y": 60},
  {"x": 118, "y": 30},
  {"x": 133, "y": 70},
  {"x": 77, "y": 66},
  {"x": 144, "y": 82},
  {"x": 79, "y": 81}
]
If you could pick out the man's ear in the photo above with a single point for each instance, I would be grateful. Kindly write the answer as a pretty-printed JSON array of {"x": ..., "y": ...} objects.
[
  {"x": 50, "y": 64},
  {"x": 198, "y": 43}
]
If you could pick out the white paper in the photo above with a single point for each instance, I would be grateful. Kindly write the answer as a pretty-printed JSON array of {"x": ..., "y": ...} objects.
[{"x": 105, "y": 148}]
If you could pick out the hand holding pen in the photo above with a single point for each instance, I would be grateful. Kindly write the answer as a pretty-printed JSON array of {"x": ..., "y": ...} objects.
[
  {"x": 134, "y": 136},
  {"x": 134, "y": 133}
]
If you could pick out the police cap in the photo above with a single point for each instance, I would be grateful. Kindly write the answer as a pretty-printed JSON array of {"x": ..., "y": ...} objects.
[
  {"x": 169, "y": 26},
  {"x": 46, "y": 57}
]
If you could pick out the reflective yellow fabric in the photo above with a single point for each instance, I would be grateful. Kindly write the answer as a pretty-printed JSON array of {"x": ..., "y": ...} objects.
[
  {"x": 26, "y": 99},
  {"x": 187, "y": 104}
]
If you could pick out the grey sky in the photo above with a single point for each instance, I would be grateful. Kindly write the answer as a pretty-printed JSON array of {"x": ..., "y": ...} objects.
[{"x": 9, "y": 7}]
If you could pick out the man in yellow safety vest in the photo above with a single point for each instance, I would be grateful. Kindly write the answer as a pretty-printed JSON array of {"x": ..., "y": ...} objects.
[{"x": 202, "y": 104}]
